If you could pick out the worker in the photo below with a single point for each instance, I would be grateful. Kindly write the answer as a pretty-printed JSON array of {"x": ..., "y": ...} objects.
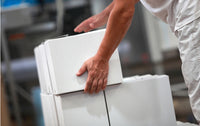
[{"x": 183, "y": 17}]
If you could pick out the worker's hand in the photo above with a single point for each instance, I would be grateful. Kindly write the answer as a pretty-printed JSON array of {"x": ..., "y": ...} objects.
[
  {"x": 92, "y": 22},
  {"x": 97, "y": 74}
]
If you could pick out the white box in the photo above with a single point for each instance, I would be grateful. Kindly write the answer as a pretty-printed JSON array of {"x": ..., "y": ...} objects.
[
  {"x": 49, "y": 109},
  {"x": 61, "y": 58},
  {"x": 74, "y": 109},
  {"x": 141, "y": 101},
  {"x": 138, "y": 101},
  {"x": 42, "y": 68}
]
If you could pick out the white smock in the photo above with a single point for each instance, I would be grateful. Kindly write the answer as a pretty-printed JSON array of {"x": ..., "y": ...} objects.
[{"x": 183, "y": 17}]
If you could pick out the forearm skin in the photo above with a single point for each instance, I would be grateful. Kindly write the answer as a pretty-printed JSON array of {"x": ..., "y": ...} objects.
[{"x": 118, "y": 23}]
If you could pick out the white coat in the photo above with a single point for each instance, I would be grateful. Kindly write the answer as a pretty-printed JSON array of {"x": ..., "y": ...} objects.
[{"x": 183, "y": 17}]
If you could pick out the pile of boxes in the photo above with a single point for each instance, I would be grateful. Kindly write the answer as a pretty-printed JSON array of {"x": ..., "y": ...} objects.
[{"x": 139, "y": 100}]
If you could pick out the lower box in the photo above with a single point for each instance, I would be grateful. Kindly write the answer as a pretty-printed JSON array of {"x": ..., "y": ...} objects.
[
  {"x": 141, "y": 101},
  {"x": 138, "y": 101},
  {"x": 74, "y": 109}
]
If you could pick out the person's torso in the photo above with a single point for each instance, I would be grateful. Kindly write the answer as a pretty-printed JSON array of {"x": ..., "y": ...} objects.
[{"x": 176, "y": 13}]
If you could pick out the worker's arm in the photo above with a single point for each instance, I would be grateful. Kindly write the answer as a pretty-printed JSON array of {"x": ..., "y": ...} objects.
[
  {"x": 95, "y": 21},
  {"x": 118, "y": 23}
]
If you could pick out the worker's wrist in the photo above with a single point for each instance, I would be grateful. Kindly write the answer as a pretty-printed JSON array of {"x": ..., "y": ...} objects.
[{"x": 101, "y": 57}]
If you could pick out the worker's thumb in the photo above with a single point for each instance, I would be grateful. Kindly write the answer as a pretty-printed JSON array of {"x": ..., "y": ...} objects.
[{"x": 81, "y": 70}]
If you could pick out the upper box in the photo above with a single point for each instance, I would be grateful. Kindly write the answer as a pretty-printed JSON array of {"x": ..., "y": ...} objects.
[{"x": 58, "y": 61}]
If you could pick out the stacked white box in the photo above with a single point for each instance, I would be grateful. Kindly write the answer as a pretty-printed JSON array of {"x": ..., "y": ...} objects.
[
  {"x": 65, "y": 104},
  {"x": 141, "y": 101},
  {"x": 58, "y": 60},
  {"x": 74, "y": 109},
  {"x": 49, "y": 109},
  {"x": 78, "y": 108}
]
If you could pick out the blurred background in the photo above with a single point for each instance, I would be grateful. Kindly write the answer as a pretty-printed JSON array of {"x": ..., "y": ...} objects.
[{"x": 149, "y": 47}]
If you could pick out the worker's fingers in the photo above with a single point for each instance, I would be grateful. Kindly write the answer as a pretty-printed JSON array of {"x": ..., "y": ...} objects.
[
  {"x": 87, "y": 29},
  {"x": 82, "y": 70},
  {"x": 88, "y": 84},
  {"x": 92, "y": 25},
  {"x": 94, "y": 86},
  {"x": 80, "y": 27},
  {"x": 100, "y": 84},
  {"x": 96, "y": 23},
  {"x": 104, "y": 83},
  {"x": 84, "y": 26},
  {"x": 105, "y": 80},
  {"x": 97, "y": 70}
]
